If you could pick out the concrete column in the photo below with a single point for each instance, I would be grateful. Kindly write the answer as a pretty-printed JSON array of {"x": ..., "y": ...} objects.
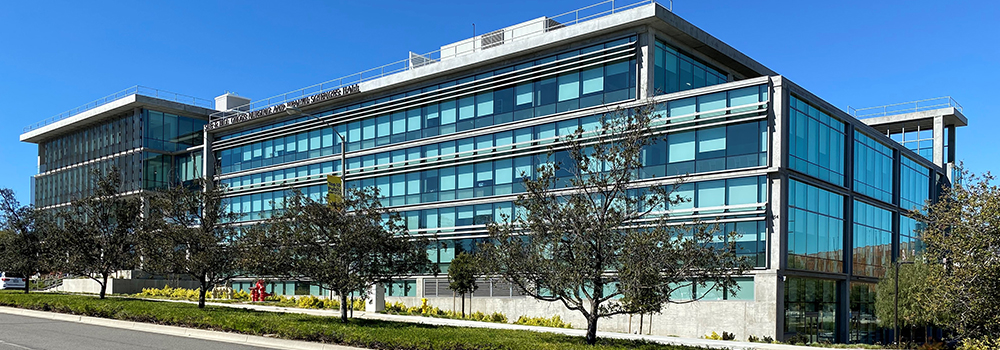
[
  {"x": 647, "y": 44},
  {"x": 208, "y": 156},
  {"x": 376, "y": 299},
  {"x": 777, "y": 241},
  {"x": 420, "y": 287},
  {"x": 939, "y": 140}
]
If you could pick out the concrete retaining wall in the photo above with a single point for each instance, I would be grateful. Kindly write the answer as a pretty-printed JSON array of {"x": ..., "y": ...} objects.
[
  {"x": 120, "y": 286},
  {"x": 692, "y": 320}
]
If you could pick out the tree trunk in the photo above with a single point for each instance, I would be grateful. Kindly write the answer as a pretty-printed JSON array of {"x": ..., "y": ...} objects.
[
  {"x": 592, "y": 329},
  {"x": 463, "y": 305},
  {"x": 202, "y": 292},
  {"x": 26, "y": 284},
  {"x": 343, "y": 306},
  {"x": 104, "y": 285}
]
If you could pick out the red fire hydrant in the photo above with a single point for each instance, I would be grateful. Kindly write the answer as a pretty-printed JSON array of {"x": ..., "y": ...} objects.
[{"x": 257, "y": 292}]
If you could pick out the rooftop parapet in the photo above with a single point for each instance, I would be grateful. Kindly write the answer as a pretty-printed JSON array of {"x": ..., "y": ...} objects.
[
  {"x": 477, "y": 43},
  {"x": 134, "y": 90},
  {"x": 904, "y": 107}
]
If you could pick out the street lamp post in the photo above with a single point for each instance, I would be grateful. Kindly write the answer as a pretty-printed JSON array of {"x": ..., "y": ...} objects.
[
  {"x": 343, "y": 168},
  {"x": 896, "y": 297},
  {"x": 343, "y": 149}
]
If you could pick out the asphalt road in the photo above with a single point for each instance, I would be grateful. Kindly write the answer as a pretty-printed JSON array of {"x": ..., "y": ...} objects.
[{"x": 28, "y": 333}]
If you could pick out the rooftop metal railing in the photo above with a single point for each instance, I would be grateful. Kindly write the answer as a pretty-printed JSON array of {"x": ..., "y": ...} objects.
[
  {"x": 904, "y": 107},
  {"x": 563, "y": 20},
  {"x": 133, "y": 90}
]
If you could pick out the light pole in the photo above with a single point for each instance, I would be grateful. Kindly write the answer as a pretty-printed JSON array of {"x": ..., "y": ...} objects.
[
  {"x": 896, "y": 297},
  {"x": 343, "y": 149},
  {"x": 343, "y": 169}
]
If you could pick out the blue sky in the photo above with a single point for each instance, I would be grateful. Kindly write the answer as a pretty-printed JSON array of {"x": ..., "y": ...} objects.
[{"x": 55, "y": 56}]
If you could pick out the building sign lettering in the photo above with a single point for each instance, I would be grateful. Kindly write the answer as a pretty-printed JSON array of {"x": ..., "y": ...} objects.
[{"x": 302, "y": 102}]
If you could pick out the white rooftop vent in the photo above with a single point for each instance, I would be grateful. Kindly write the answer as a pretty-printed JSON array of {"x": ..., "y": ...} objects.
[{"x": 230, "y": 101}]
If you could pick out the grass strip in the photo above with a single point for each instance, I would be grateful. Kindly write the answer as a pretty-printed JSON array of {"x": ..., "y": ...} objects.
[{"x": 365, "y": 333}]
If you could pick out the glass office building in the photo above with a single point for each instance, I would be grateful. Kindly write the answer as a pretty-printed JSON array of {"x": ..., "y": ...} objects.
[
  {"x": 153, "y": 137},
  {"x": 821, "y": 198}
]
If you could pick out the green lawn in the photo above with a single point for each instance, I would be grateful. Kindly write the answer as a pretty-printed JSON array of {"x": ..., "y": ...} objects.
[{"x": 358, "y": 332}]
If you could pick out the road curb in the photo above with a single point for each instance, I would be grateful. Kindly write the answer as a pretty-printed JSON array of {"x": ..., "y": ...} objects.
[{"x": 235, "y": 338}]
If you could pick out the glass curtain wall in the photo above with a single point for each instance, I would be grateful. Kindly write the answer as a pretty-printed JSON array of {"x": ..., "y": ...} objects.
[
  {"x": 450, "y": 223},
  {"x": 815, "y": 228},
  {"x": 816, "y": 143},
  {"x": 592, "y": 83},
  {"x": 675, "y": 71},
  {"x": 811, "y": 308},
  {"x": 116, "y": 135},
  {"x": 864, "y": 328},
  {"x": 734, "y": 146},
  {"x": 872, "y": 239},
  {"x": 914, "y": 185},
  {"x": 578, "y": 88},
  {"x": 77, "y": 182},
  {"x": 171, "y": 133},
  {"x": 919, "y": 141},
  {"x": 910, "y": 243},
  {"x": 62, "y": 176},
  {"x": 872, "y": 168}
]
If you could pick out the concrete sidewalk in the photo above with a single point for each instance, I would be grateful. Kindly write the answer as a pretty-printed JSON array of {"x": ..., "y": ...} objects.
[{"x": 716, "y": 344}]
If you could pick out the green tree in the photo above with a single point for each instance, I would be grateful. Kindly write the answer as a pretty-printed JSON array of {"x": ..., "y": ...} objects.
[
  {"x": 963, "y": 234},
  {"x": 100, "y": 233},
  {"x": 462, "y": 276},
  {"x": 22, "y": 238},
  {"x": 584, "y": 235},
  {"x": 191, "y": 234},
  {"x": 340, "y": 250},
  {"x": 916, "y": 296}
]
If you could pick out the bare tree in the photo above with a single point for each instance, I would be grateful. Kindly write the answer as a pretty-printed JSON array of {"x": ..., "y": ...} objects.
[
  {"x": 586, "y": 235},
  {"x": 191, "y": 233},
  {"x": 343, "y": 250},
  {"x": 100, "y": 233}
]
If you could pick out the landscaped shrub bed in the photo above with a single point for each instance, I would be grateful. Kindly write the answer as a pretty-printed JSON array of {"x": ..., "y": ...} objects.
[
  {"x": 304, "y": 302},
  {"x": 358, "y": 332}
]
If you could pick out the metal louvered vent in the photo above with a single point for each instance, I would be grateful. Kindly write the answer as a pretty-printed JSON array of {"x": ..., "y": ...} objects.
[{"x": 491, "y": 39}]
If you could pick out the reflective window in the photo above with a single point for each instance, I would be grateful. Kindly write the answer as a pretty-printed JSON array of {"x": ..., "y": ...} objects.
[
  {"x": 810, "y": 308},
  {"x": 918, "y": 140},
  {"x": 872, "y": 239},
  {"x": 872, "y": 168},
  {"x": 815, "y": 228},
  {"x": 733, "y": 146},
  {"x": 70, "y": 159},
  {"x": 914, "y": 184},
  {"x": 910, "y": 243},
  {"x": 581, "y": 88},
  {"x": 816, "y": 143},
  {"x": 675, "y": 71},
  {"x": 404, "y": 288},
  {"x": 170, "y": 132},
  {"x": 864, "y": 324}
]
